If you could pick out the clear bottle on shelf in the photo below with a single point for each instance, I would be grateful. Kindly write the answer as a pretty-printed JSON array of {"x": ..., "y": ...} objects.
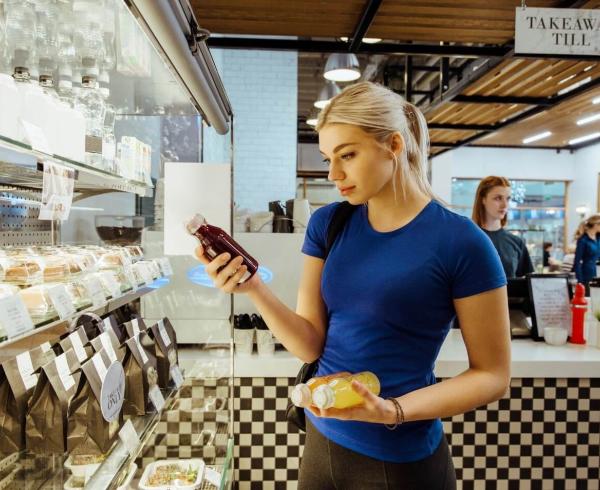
[
  {"x": 67, "y": 54},
  {"x": 91, "y": 104},
  {"x": 301, "y": 395},
  {"x": 109, "y": 144},
  {"x": 88, "y": 36},
  {"x": 340, "y": 394},
  {"x": 46, "y": 36},
  {"x": 20, "y": 23}
]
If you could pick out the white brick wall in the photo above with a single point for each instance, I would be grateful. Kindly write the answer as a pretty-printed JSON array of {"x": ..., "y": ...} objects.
[{"x": 262, "y": 87}]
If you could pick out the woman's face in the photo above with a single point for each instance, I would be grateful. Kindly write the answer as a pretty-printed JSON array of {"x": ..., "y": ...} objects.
[
  {"x": 358, "y": 165},
  {"x": 496, "y": 202}
]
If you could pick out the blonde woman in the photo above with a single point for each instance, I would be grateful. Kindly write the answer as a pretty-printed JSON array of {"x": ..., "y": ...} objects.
[
  {"x": 399, "y": 272},
  {"x": 588, "y": 249},
  {"x": 490, "y": 210}
]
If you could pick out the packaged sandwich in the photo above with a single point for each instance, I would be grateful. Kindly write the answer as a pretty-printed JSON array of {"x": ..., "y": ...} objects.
[{"x": 46, "y": 423}]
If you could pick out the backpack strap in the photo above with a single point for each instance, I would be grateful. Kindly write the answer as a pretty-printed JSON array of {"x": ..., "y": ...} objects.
[{"x": 341, "y": 215}]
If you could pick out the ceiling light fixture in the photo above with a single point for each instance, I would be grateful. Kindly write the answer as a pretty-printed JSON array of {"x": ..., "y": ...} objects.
[
  {"x": 566, "y": 79},
  {"x": 537, "y": 137},
  {"x": 587, "y": 137},
  {"x": 328, "y": 92},
  {"x": 366, "y": 40},
  {"x": 575, "y": 85},
  {"x": 311, "y": 121},
  {"x": 589, "y": 119},
  {"x": 596, "y": 100},
  {"x": 342, "y": 67}
]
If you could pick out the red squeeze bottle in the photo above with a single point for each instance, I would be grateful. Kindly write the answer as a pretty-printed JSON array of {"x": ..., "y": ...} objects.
[
  {"x": 578, "y": 308},
  {"x": 215, "y": 241}
]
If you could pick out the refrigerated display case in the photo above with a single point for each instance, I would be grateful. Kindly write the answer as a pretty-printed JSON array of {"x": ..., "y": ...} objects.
[{"x": 90, "y": 88}]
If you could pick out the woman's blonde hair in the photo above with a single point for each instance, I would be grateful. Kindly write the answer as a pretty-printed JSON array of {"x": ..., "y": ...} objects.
[
  {"x": 381, "y": 112},
  {"x": 483, "y": 188},
  {"x": 586, "y": 224}
]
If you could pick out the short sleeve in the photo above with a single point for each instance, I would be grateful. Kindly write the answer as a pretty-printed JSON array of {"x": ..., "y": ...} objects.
[
  {"x": 315, "y": 239},
  {"x": 475, "y": 264}
]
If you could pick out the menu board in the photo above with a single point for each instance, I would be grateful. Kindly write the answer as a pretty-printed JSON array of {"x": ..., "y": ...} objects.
[{"x": 551, "y": 303}]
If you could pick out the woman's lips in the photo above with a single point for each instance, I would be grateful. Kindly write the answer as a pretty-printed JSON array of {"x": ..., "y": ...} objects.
[{"x": 346, "y": 190}]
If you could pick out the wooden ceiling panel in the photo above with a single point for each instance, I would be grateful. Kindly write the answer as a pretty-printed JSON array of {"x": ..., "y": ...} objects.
[
  {"x": 445, "y": 136},
  {"x": 458, "y": 113}
]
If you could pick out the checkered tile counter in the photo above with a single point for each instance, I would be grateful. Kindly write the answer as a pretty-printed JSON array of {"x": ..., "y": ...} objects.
[{"x": 544, "y": 434}]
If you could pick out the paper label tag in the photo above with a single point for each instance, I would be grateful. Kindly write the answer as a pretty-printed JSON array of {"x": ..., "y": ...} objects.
[
  {"x": 45, "y": 347},
  {"x": 100, "y": 367},
  {"x": 108, "y": 347},
  {"x": 146, "y": 274},
  {"x": 78, "y": 347},
  {"x": 64, "y": 373},
  {"x": 94, "y": 288},
  {"x": 112, "y": 393},
  {"x": 105, "y": 325},
  {"x": 25, "y": 368},
  {"x": 157, "y": 398},
  {"x": 141, "y": 350},
  {"x": 129, "y": 437},
  {"x": 165, "y": 265},
  {"x": 61, "y": 301},
  {"x": 14, "y": 316},
  {"x": 130, "y": 277},
  {"x": 135, "y": 325},
  {"x": 112, "y": 285},
  {"x": 36, "y": 137},
  {"x": 177, "y": 375},
  {"x": 163, "y": 333},
  {"x": 57, "y": 192},
  {"x": 212, "y": 476}
]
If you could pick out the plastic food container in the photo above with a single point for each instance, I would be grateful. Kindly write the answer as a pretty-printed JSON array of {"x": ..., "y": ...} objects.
[
  {"x": 55, "y": 267},
  {"x": 7, "y": 290},
  {"x": 150, "y": 479},
  {"x": 81, "y": 470},
  {"x": 74, "y": 483},
  {"x": 22, "y": 270},
  {"x": 37, "y": 301}
]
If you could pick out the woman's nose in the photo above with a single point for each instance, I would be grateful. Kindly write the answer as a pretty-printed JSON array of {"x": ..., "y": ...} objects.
[{"x": 335, "y": 173}]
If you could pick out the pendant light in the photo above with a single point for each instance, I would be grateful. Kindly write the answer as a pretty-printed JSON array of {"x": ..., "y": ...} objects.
[
  {"x": 312, "y": 119},
  {"x": 342, "y": 67},
  {"x": 328, "y": 92}
]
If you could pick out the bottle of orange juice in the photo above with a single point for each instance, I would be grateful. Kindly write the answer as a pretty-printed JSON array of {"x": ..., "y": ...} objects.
[
  {"x": 338, "y": 393},
  {"x": 302, "y": 393}
]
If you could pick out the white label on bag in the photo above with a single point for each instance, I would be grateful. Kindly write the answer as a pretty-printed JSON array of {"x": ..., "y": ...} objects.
[
  {"x": 106, "y": 324},
  {"x": 141, "y": 350},
  {"x": 177, "y": 375},
  {"x": 14, "y": 316},
  {"x": 108, "y": 347},
  {"x": 78, "y": 346},
  {"x": 64, "y": 372},
  {"x": 163, "y": 333},
  {"x": 135, "y": 325},
  {"x": 212, "y": 476},
  {"x": 130, "y": 277},
  {"x": 61, "y": 301},
  {"x": 129, "y": 437},
  {"x": 165, "y": 265},
  {"x": 157, "y": 398},
  {"x": 94, "y": 288},
  {"x": 25, "y": 368},
  {"x": 100, "y": 367}
]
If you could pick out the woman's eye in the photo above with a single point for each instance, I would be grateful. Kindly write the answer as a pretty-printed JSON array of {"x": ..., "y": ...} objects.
[
  {"x": 326, "y": 161},
  {"x": 347, "y": 156}
]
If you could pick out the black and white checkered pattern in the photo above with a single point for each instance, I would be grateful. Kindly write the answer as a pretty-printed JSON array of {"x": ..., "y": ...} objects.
[{"x": 544, "y": 435}]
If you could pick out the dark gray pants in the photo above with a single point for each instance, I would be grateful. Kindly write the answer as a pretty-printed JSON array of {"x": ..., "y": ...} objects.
[{"x": 327, "y": 466}]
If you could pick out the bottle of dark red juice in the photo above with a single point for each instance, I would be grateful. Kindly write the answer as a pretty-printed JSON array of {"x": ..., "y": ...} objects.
[{"x": 216, "y": 241}]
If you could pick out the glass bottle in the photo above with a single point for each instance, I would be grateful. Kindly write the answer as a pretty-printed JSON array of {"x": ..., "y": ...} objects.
[
  {"x": 301, "y": 395},
  {"x": 88, "y": 39},
  {"x": 46, "y": 38},
  {"x": 216, "y": 241},
  {"x": 340, "y": 394},
  {"x": 91, "y": 104},
  {"x": 67, "y": 54},
  {"x": 20, "y": 32}
]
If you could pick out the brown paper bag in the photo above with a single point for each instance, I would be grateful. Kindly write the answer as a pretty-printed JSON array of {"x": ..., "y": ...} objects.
[
  {"x": 108, "y": 341},
  {"x": 78, "y": 342},
  {"x": 88, "y": 433},
  {"x": 18, "y": 378},
  {"x": 111, "y": 323},
  {"x": 140, "y": 374},
  {"x": 134, "y": 326},
  {"x": 46, "y": 423},
  {"x": 166, "y": 350}
]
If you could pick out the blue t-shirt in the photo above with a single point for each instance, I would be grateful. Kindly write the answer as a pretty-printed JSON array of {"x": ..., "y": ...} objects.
[{"x": 389, "y": 305}]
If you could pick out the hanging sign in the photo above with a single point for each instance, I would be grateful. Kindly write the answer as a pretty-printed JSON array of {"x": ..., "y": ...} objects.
[
  {"x": 57, "y": 192},
  {"x": 557, "y": 31}
]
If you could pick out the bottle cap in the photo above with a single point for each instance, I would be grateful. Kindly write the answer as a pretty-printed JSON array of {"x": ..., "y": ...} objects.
[
  {"x": 196, "y": 222},
  {"x": 323, "y": 397},
  {"x": 301, "y": 396}
]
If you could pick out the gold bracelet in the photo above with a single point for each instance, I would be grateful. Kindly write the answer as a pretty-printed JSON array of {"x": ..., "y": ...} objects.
[{"x": 399, "y": 414}]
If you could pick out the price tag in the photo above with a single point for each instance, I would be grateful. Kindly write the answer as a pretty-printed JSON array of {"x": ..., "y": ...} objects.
[
  {"x": 146, "y": 274},
  {"x": 135, "y": 325},
  {"x": 165, "y": 265},
  {"x": 112, "y": 285},
  {"x": 25, "y": 367},
  {"x": 36, "y": 137},
  {"x": 157, "y": 398},
  {"x": 141, "y": 350},
  {"x": 130, "y": 277},
  {"x": 100, "y": 367},
  {"x": 61, "y": 301},
  {"x": 177, "y": 375},
  {"x": 14, "y": 317},
  {"x": 64, "y": 372},
  {"x": 78, "y": 346},
  {"x": 129, "y": 437},
  {"x": 163, "y": 333},
  {"x": 212, "y": 476},
  {"x": 94, "y": 288}
]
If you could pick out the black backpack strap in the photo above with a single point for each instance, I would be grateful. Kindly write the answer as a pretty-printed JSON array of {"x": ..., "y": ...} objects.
[{"x": 341, "y": 214}]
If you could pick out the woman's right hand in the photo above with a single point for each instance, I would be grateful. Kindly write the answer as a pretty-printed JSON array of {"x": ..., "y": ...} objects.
[{"x": 226, "y": 272}]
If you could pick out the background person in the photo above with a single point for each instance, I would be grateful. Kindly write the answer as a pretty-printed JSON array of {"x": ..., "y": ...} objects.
[{"x": 588, "y": 250}]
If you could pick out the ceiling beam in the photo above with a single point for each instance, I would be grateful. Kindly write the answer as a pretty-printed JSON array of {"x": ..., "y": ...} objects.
[
  {"x": 462, "y": 127},
  {"x": 501, "y": 99},
  {"x": 363, "y": 25},
  {"x": 310, "y": 46}
]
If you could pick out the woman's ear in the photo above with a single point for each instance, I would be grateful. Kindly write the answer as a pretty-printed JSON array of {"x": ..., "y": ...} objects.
[{"x": 396, "y": 143}]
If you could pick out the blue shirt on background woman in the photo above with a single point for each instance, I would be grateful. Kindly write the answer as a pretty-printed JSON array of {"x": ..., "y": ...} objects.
[{"x": 588, "y": 249}]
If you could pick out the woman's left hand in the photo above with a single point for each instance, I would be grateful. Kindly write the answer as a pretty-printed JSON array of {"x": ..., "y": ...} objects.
[{"x": 373, "y": 409}]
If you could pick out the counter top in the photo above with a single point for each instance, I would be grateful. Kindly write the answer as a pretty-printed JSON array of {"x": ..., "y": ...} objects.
[{"x": 530, "y": 359}]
